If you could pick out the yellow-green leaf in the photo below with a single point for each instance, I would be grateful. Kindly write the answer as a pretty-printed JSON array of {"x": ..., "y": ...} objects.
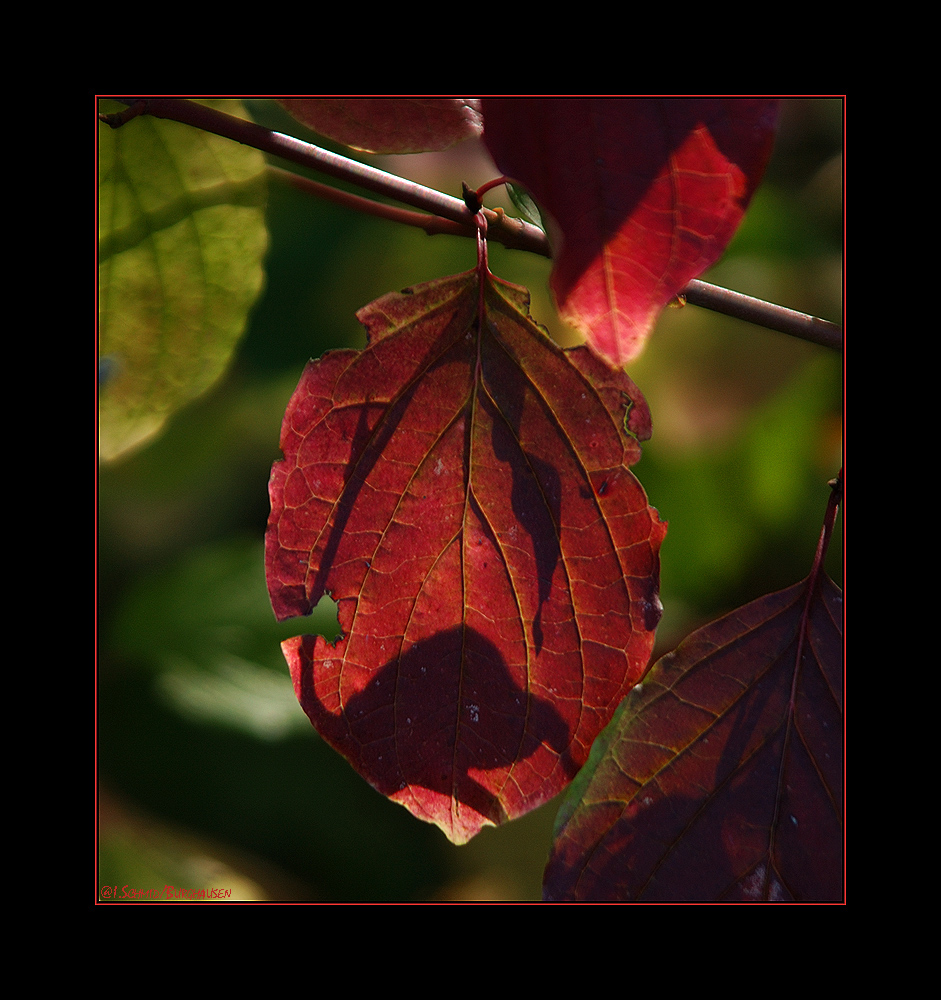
[{"x": 182, "y": 239}]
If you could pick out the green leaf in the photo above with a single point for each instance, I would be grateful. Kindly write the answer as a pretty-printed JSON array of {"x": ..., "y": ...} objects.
[
  {"x": 181, "y": 238},
  {"x": 525, "y": 205}
]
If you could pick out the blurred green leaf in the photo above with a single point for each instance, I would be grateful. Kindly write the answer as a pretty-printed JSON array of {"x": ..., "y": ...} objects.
[
  {"x": 205, "y": 626},
  {"x": 182, "y": 238}
]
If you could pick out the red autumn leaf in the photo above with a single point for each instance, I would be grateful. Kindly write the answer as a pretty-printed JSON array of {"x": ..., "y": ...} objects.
[
  {"x": 390, "y": 125},
  {"x": 721, "y": 776},
  {"x": 466, "y": 498},
  {"x": 646, "y": 192}
]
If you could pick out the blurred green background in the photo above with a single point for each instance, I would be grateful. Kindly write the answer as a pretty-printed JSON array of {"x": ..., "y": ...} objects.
[{"x": 210, "y": 774}]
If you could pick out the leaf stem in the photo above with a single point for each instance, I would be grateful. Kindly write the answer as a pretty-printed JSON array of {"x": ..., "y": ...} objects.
[
  {"x": 447, "y": 214},
  {"x": 833, "y": 506}
]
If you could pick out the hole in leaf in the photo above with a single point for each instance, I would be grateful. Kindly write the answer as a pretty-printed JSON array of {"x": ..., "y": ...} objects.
[{"x": 325, "y": 621}]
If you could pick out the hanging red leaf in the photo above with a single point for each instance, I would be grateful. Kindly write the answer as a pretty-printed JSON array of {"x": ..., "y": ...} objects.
[
  {"x": 646, "y": 193},
  {"x": 721, "y": 776},
  {"x": 461, "y": 488},
  {"x": 390, "y": 125}
]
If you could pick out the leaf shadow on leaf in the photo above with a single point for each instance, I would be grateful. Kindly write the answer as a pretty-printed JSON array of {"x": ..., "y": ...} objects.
[
  {"x": 368, "y": 444},
  {"x": 536, "y": 483},
  {"x": 536, "y": 491},
  {"x": 464, "y": 486},
  {"x": 431, "y": 725},
  {"x": 376, "y": 424},
  {"x": 505, "y": 392}
]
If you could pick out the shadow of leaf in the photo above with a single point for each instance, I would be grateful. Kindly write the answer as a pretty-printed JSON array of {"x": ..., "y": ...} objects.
[{"x": 444, "y": 729}]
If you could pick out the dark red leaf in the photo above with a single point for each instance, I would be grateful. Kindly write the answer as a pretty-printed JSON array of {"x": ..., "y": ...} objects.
[
  {"x": 390, "y": 125},
  {"x": 466, "y": 499},
  {"x": 646, "y": 192},
  {"x": 721, "y": 776}
]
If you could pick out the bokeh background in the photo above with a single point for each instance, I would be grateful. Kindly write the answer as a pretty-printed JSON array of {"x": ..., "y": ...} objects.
[{"x": 209, "y": 773}]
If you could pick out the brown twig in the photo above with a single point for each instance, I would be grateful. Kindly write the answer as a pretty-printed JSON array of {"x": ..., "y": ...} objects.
[
  {"x": 445, "y": 214},
  {"x": 766, "y": 314}
]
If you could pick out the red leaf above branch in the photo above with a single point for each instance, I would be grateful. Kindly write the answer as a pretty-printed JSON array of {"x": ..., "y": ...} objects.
[
  {"x": 461, "y": 488},
  {"x": 383, "y": 125},
  {"x": 646, "y": 193}
]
